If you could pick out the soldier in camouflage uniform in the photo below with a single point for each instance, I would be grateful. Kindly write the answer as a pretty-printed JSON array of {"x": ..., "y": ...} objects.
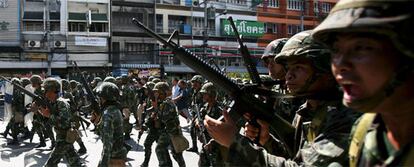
[
  {"x": 196, "y": 100},
  {"x": 60, "y": 117},
  {"x": 170, "y": 125},
  {"x": 38, "y": 119},
  {"x": 17, "y": 120},
  {"x": 212, "y": 154},
  {"x": 67, "y": 94},
  {"x": 113, "y": 152},
  {"x": 322, "y": 124},
  {"x": 152, "y": 123},
  {"x": 128, "y": 101},
  {"x": 373, "y": 56}
]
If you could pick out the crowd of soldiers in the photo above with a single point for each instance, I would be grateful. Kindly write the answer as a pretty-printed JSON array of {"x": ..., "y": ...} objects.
[{"x": 345, "y": 88}]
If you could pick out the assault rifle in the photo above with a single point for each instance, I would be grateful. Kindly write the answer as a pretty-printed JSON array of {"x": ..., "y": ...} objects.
[
  {"x": 40, "y": 100},
  {"x": 248, "y": 62},
  {"x": 243, "y": 102},
  {"x": 202, "y": 132},
  {"x": 90, "y": 95}
]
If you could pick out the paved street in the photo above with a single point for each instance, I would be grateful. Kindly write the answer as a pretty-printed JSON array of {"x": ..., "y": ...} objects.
[{"x": 26, "y": 155}]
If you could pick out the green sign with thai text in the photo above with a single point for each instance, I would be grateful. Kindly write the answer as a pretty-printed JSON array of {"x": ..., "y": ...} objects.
[{"x": 244, "y": 27}]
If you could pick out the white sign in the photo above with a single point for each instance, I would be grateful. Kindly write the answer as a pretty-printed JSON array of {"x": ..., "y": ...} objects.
[{"x": 90, "y": 41}]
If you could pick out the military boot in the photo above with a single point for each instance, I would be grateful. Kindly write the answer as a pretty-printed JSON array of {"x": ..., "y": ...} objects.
[
  {"x": 6, "y": 132},
  {"x": 13, "y": 142},
  {"x": 42, "y": 142}
]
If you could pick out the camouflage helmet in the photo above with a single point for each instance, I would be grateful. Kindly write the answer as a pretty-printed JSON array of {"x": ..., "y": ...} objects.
[
  {"x": 391, "y": 18},
  {"x": 209, "y": 88},
  {"x": 110, "y": 79},
  {"x": 36, "y": 79},
  {"x": 274, "y": 47},
  {"x": 156, "y": 80},
  {"x": 108, "y": 91},
  {"x": 302, "y": 45},
  {"x": 197, "y": 78},
  {"x": 124, "y": 79},
  {"x": 51, "y": 84},
  {"x": 161, "y": 86},
  {"x": 25, "y": 82},
  {"x": 16, "y": 81},
  {"x": 149, "y": 85},
  {"x": 96, "y": 80},
  {"x": 265, "y": 78},
  {"x": 65, "y": 84},
  {"x": 150, "y": 78},
  {"x": 73, "y": 84}
]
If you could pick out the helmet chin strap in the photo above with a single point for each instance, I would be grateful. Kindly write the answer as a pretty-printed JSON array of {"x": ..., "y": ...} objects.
[{"x": 369, "y": 103}]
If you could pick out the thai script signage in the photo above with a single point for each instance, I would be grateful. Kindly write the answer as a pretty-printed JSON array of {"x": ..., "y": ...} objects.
[{"x": 244, "y": 27}]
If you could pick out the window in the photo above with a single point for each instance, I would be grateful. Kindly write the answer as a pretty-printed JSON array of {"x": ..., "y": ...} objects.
[
  {"x": 55, "y": 26},
  {"x": 33, "y": 26},
  {"x": 272, "y": 3},
  {"x": 77, "y": 27},
  {"x": 270, "y": 28},
  {"x": 295, "y": 5},
  {"x": 293, "y": 29},
  {"x": 174, "y": 22},
  {"x": 98, "y": 27},
  {"x": 323, "y": 6},
  {"x": 240, "y": 2},
  {"x": 159, "y": 23}
]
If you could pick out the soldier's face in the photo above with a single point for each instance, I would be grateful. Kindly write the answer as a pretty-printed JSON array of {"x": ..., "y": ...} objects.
[
  {"x": 276, "y": 71},
  {"x": 362, "y": 66},
  {"x": 51, "y": 95},
  {"x": 298, "y": 73}
]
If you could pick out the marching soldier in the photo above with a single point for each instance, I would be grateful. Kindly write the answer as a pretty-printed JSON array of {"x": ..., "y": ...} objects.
[
  {"x": 38, "y": 119},
  {"x": 113, "y": 152},
  {"x": 373, "y": 57},
  {"x": 170, "y": 126},
  {"x": 212, "y": 154},
  {"x": 128, "y": 101},
  {"x": 67, "y": 94},
  {"x": 152, "y": 123},
  {"x": 16, "y": 122},
  {"x": 196, "y": 99},
  {"x": 60, "y": 117}
]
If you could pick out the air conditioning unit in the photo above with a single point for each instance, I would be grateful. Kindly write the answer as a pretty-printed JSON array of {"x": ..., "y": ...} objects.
[
  {"x": 222, "y": 62},
  {"x": 236, "y": 64},
  {"x": 59, "y": 44},
  {"x": 33, "y": 44}
]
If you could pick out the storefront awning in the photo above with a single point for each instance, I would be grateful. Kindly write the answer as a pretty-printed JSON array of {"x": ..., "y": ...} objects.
[
  {"x": 140, "y": 66},
  {"x": 82, "y": 17}
]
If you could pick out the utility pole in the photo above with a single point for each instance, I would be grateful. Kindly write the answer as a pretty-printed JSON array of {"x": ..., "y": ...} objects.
[
  {"x": 302, "y": 28},
  {"x": 205, "y": 34},
  {"x": 47, "y": 37}
]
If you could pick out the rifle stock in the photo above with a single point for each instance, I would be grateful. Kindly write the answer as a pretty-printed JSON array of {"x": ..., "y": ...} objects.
[{"x": 244, "y": 103}]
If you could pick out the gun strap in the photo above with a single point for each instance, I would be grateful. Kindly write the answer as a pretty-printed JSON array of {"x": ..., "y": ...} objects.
[{"x": 358, "y": 138}]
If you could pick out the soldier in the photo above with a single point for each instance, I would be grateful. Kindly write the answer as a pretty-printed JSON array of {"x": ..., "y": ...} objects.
[
  {"x": 373, "y": 57},
  {"x": 113, "y": 152},
  {"x": 60, "y": 117},
  {"x": 128, "y": 101},
  {"x": 67, "y": 94},
  {"x": 38, "y": 119},
  {"x": 170, "y": 125},
  {"x": 17, "y": 120},
  {"x": 212, "y": 154},
  {"x": 152, "y": 123},
  {"x": 196, "y": 99},
  {"x": 322, "y": 123}
]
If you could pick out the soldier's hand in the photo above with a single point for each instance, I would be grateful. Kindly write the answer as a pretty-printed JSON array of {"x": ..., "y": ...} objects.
[
  {"x": 264, "y": 131},
  {"x": 222, "y": 132},
  {"x": 45, "y": 112},
  {"x": 251, "y": 131}
]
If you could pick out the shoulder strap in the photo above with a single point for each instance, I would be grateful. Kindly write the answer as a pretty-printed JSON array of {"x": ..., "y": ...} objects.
[{"x": 358, "y": 138}]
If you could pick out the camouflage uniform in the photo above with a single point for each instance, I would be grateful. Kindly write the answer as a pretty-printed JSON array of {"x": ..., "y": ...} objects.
[
  {"x": 128, "y": 101},
  {"x": 170, "y": 125},
  {"x": 196, "y": 100},
  {"x": 38, "y": 120},
  {"x": 153, "y": 135},
  {"x": 61, "y": 120},
  {"x": 16, "y": 122},
  {"x": 391, "y": 20},
  {"x": 321, "y": 132},
  {"x": 216, "y": 155},
  {"x": 112, "y": 138}
]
